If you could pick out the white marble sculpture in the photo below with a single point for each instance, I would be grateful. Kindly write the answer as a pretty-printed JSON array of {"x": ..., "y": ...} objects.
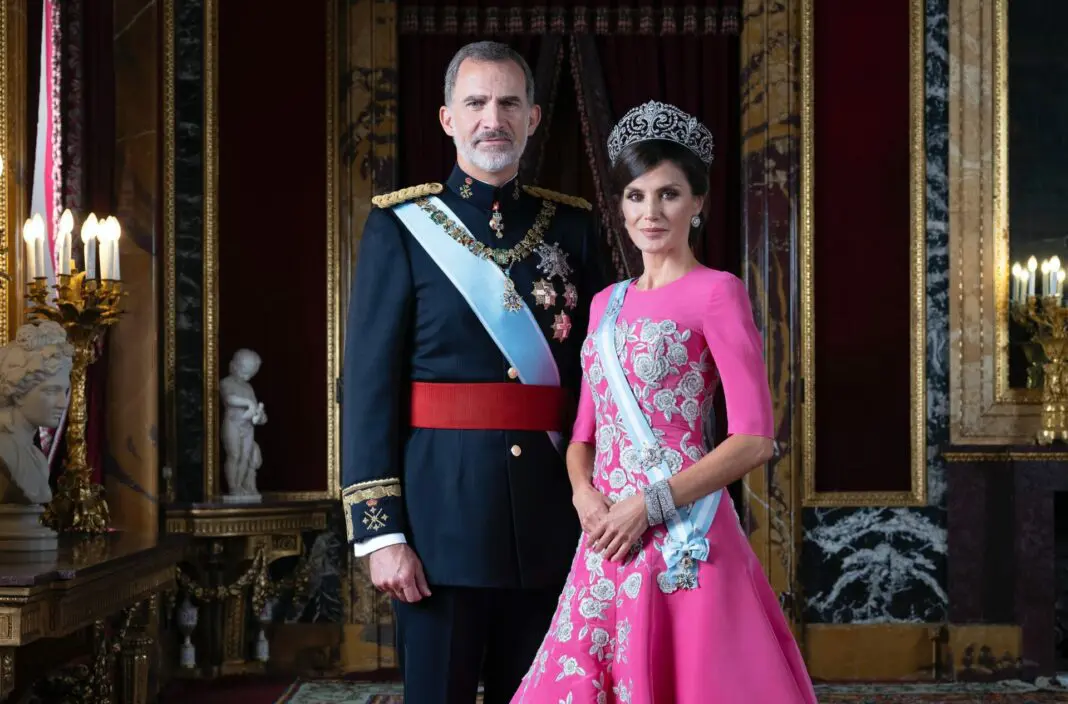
[
  {"x": 34, "y": 393},
  {"x": 243, "y": 412}
]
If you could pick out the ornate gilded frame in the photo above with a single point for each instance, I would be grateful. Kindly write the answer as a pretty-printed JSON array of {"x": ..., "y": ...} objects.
[
  {"x": 14, "y": 147},
  {"x": 983, "y": 408},
  {"x": 170, "y": 246},
  {"x": 917, "y": 493},
  {"x": 211, "y": 272}
]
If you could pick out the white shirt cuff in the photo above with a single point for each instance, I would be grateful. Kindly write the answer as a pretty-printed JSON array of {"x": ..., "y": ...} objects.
[{"x": 366, "y": 547}]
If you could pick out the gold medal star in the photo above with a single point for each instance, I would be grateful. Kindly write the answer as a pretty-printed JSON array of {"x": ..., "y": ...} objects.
[{"x": 544, "y": 293}]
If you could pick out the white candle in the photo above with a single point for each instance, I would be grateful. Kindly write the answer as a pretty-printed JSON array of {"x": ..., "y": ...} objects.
[
  {"x": 89, "y": 232},
  {"x": 1015, "y": 293},
  {"x": 103, "y": 235},
  {"x": 1032, "y": 265},
  {"x": 1060, "y": 284},
  {"x": 31, "y": 249},
  {"x": 39, "y": 255},
  {"x": 63, "y": 242},
  {"x": 116, "y": 232}
]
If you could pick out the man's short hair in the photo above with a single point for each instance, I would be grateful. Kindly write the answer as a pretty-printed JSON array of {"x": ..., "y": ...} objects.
[{"x": 489, "y": 52}]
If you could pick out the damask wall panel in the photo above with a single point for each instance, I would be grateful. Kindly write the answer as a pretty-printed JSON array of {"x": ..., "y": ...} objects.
[{"x": 274, "y": 235}]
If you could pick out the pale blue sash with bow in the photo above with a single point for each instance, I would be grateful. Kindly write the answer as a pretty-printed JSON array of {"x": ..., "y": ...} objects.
[
  {"x": 686, "y": 543},
  {"x": 482, "y": 284}
]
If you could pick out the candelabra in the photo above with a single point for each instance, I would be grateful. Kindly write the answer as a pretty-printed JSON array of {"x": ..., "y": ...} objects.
[
  {"x": 1047, "y": 319},
  {"x": 85, "y": 308}
]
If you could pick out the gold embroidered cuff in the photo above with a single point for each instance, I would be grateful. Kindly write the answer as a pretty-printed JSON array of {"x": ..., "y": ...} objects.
[{"x": 372, "y": 508}]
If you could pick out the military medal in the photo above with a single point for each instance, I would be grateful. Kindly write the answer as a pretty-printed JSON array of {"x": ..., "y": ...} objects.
[
  {"x": 544, "y": 293},
  {"x": 497, "y": 220},
  {"x": 465, "y": 190},
  {"x": 553, "y": 261},
  {"x": 561, "y": 326},
  {"x": 570, "y": 296},
  {"x": 511, "y": 300}
]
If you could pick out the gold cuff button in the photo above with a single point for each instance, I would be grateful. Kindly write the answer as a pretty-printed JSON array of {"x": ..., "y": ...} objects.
[
  {"x": 513, "y": 373},
  {"x": 516, "y": 450}
]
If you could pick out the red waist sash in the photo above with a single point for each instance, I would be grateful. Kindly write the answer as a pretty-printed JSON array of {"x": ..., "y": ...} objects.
[{"x": 489, "y": 406}]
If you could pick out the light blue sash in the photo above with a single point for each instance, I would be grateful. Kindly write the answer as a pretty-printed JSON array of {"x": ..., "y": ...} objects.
[
  {"x": 686, "y": 542},
  {"x": 482, "y": 284}
]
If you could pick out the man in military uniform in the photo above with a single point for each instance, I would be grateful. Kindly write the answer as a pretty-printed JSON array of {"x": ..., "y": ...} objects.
[{"x": 462, "y": 368}]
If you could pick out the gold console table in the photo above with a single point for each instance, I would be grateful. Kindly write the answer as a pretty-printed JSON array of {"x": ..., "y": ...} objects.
[
  {"x": 48, "y": 602},
  {"x": 225, "y": 578}
]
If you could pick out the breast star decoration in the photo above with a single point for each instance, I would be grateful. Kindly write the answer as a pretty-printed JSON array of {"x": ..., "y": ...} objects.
[
  {"x": 545, "y": 293},
  {"x": 554, "y": 265}
]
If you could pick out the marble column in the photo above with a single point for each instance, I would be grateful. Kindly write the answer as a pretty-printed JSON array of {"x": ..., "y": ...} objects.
[{"x": 187, "y": 427}]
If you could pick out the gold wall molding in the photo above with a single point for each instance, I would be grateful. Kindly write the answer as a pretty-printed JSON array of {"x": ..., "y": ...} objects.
[
  {"x": 15, "y": 148},
  {"x": 245, "y": 521},
  {"x": 917, "y": 493},
  {"x": 333, "y": 293},
  {"x": 983, "y": 408},
  {"x": 210, "y": 288},
  {"x": 170, "y": 250}
]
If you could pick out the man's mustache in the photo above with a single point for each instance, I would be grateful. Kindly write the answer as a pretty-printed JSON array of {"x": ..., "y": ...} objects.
[{"x": 494, "y": 134}]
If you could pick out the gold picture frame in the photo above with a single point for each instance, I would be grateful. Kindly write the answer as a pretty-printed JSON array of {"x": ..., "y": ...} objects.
[
  {"x": 211, "y": 272},
  {"x": 917, "y": 493},
  {"x": 984, "y": 409},
  {"x": 15, "y": 148}
]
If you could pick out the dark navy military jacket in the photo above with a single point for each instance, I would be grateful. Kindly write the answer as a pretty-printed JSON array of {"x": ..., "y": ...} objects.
[{"x": 481, "y": 508}]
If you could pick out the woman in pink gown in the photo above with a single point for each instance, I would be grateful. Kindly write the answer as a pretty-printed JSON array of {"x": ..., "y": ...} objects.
[{"x": 666, "y": 602}]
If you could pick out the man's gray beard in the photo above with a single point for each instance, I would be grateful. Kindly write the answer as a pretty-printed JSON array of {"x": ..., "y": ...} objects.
[{"x": 490, "y": 162}]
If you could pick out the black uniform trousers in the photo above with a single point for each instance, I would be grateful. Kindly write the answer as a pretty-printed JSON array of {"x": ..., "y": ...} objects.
[{"x": 458, "y": 635}]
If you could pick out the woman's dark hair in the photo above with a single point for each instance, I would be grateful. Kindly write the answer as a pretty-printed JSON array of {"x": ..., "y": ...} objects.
[{"x": 640, "y": 157}]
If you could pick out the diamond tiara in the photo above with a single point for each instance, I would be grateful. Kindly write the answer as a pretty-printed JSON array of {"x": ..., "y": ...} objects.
[{"x": 655, "y": 120}]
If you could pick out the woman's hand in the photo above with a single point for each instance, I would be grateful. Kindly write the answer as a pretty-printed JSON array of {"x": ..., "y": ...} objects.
[
  {"x": 626, "y": 522},
  {"x": 592, "y": 507}
]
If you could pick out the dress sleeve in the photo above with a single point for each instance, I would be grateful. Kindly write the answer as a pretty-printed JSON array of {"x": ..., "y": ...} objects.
[
  {"x": 586, "y": 418},
  {"x": 737, "y": 350}
]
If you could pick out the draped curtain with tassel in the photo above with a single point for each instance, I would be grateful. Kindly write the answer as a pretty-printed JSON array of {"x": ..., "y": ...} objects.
[{"x": 591, "y": 64}]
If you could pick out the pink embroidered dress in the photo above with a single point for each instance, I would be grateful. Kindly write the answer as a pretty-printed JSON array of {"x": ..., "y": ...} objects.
[{"x": 622, "y": 633}]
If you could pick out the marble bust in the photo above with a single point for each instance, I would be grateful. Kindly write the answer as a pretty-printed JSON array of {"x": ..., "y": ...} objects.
[
  {"x": 34, "y": 392},
  {"x": 242, "y": 413}
]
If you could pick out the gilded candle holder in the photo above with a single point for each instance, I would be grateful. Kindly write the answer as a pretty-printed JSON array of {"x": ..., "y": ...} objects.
[
  {"x": 1047, "y": 319},
  {"x": 85, "y": 309}
]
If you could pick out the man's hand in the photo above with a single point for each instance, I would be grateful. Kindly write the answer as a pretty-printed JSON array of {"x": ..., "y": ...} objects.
[{"x": 396, "y": 570}]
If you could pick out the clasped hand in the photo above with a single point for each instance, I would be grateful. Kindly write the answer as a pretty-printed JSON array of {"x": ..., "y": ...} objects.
[{"x": 611, "y": 528}]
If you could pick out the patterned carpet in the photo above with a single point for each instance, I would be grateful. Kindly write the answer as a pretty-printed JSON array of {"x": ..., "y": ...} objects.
[{"x": 1040, "y": 692}]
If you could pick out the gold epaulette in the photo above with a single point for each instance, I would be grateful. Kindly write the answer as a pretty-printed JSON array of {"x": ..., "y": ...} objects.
[
  {"x": 546, "y": 194},
  {"x": 388, "y": 200}
]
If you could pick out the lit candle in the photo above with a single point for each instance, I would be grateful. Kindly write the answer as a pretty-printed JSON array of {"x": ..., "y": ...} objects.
[
  {"x": 1032, "y": 265},
  {"x": 1060, "y": 284},
  {"x": 1014, "y": 293},
  {"x": 31, "y": 249},
  {"x": 103, "y": 235},
  {"x": 89, "y": 232},
  {"x": 63, "y": 242},
  {"x": 39, "y": 255},
  {"x": 116, "y": 232}
]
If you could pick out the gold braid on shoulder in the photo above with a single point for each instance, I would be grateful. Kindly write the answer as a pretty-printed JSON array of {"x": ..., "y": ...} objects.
[
  {"x": 546, "y": 194},
  {"x": 388, "y": 200}
]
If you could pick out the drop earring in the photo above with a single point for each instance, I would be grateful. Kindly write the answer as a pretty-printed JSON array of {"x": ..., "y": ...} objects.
[{"x": 695, "y": 221}]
